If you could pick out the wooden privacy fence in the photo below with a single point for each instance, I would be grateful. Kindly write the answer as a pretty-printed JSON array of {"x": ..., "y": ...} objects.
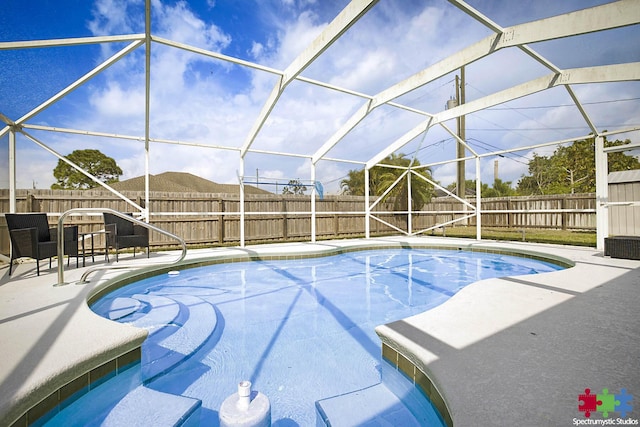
[
  {"x": 563, "y": 211},
  {"x": 213, "y": 219}
]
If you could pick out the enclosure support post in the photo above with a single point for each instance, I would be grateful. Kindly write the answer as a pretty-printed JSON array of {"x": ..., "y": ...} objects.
[
  {"x": 409, "y": 224},
  {"x": 602, "y": 193},
  {"x": 367, "y": 209},
  {"x": 147, "y": 107},
  {"x": 460, "y": 149},
  {"x": 478, "y": 201},
  {"x": 241, "y": 179},
  {"x": 12, "y": 171},
  {"x": 313, "y": 203}
]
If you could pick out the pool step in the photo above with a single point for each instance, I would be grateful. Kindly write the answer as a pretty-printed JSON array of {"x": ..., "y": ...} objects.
[
  {"x": 178, "y": 326},
  {"x": 396, "y": 401},
  {"x": 145, "y": 406},
  {"x": 163, "y": 311},
  {"x": 374, "y": 406},
  {"x": 181, "y": 338},
  {"x": 124, "y": 402},
  {"x": 122, "y": 307}
]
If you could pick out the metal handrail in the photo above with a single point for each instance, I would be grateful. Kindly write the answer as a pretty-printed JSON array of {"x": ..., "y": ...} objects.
[{"x": 83, "y": 279}]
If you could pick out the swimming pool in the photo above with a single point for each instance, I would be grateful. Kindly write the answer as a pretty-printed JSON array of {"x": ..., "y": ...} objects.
[{"x": 299, "y": 330}]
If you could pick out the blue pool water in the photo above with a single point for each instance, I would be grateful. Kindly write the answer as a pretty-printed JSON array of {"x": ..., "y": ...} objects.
[{"x": 299, "y": 330}]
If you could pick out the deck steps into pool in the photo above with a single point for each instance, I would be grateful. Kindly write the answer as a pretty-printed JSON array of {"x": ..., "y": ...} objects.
[
  {"x": 375, "y": 406},
  {"x": 147, "y": 407},
  {"x": 395, "y": 401},
  {"x": 122, "y": 307},
  {"x": 126, "y": 402},
  {"x": 179, "y": 324},
  {"x": 162, "y": 311},
  {"x": 181, "y": 338}
]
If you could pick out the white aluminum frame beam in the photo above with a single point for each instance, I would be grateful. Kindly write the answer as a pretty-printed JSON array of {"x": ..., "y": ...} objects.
[
  {"x": 77, "y": 167},
  {"x": 82, "y": 80},
  {"x": 501, "y": 32},
  {"x": 602, "y": 193},
  {"x": 147, "y": 104},
  {"x": 12, "y": 171},
  {"x": 599, "y": 18},
  {"x": 583, "y": 112},
  {"x": 12, "y": 161},
  {"x": 600, "y": 74},
  {"x": 127, "y": 137},
  {"x": 143, "y": 39},
  {"x": 274, "y": 71},
  {"x": 622, "y": 148},
  {"x": 215, "y": 55},
  {"x": 74, "y": 41},
  {"x": 340, "y": 24},
  {"x": 616, "y": 14}
]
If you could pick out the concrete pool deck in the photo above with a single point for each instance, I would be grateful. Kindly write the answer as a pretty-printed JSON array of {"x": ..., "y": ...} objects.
[{"x": 511, "y": 351}]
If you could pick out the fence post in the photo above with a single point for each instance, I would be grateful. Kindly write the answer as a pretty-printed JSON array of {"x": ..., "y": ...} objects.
[
  {"x": 221, "y": 221},
  {"x": 336, "y": 218},
  {"x": 564, "y": 216},
  {"x": 285, "y": 231},
  {"x": 32, "y": 203}
]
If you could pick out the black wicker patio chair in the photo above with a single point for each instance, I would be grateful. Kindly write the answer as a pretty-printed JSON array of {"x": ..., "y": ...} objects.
[
  {"x": 32, "y": 237},
  {"x": 122, "y": 233}
]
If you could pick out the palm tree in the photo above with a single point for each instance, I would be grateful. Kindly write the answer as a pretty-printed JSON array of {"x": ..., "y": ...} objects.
[
  {"x": 354, "y": 184},
  {"x": 381, "y": 178},
  {"x": 421, "y": 190}
]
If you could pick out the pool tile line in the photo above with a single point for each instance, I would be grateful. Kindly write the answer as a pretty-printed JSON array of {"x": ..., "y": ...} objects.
[
  {"x": 419, "y": 379},
  {"x": 76, "y": 388}
]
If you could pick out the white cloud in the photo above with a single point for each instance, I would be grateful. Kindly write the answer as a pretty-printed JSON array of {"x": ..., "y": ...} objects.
[
  {"x": 368, "y": 71},
  {"x": 179, "y": 23},
  {"x": 114, "y": 17},
  {"x": 292, "y": 38},
  {"x": 114, "y": 101},
  {"x": 257, "y": 49}
]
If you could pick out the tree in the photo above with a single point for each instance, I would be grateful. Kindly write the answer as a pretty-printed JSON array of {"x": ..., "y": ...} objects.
[
  {"x": 543, "y": 177},
  {"x": 353, "y": 185},
  {"x": 295, "y": 186},
  {"x": 94, "y": 162},
  {"x": 571, "y": 169},
  {"x": 381, "y": 178},
  {"x": 499, "y": 189}
]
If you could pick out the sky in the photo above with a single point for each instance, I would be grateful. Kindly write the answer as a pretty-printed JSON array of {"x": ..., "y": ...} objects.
[{"x": 196, "y": 99}]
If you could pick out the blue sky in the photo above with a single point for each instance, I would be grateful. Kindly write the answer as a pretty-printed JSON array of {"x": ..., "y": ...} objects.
[{"x": 207, "y": 101}]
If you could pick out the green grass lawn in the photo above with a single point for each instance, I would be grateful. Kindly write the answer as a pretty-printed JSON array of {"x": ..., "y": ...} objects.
[{"x": 561, "y": 237}]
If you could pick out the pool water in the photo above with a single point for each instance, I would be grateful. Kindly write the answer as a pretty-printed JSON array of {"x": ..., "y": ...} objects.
[{"x": 299, "y": 330}]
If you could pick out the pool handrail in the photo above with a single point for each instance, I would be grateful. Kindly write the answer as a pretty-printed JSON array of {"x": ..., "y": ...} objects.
[{"x": 83, "y": 279}]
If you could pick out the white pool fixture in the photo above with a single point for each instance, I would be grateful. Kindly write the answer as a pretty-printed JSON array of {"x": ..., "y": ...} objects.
[
  {"x": 173, "y": 273},
  {"x": 244, "y": 395},
  {"x": 246, "y": 408}
]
